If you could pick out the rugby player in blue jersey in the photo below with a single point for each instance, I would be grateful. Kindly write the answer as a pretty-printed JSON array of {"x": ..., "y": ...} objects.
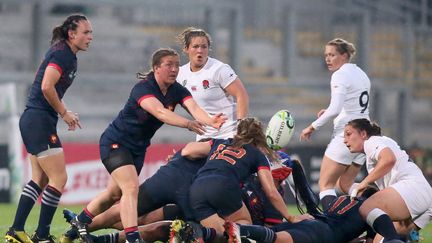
[
  {"x": 340, "y": 223},
  {"x": 123, "y": 144},
  {"x": 38, "y": 126},
  {"x": 215, "y": 193}
]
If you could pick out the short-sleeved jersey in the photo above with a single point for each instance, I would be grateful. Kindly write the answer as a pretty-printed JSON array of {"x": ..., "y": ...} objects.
[
  {"x": 207, "y": 88},
  {"x": 60, "y": 57},
  {"x": 236, "y": 163},
  {"x": 354, "y": 85},
  {"x": 403, "y": 169},
  {"x": 134, "y": 126},
  {"x": 344, "y": 219}
]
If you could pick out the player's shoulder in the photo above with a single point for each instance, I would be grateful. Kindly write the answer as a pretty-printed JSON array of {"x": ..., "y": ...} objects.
[
  {"x": 61, "y": 50},
  {"x": 214, "y": 64}
]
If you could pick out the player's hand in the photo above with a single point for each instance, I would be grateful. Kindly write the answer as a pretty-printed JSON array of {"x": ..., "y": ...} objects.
[
  {"x": 218, "y": 120},
  {"x": 307, "y": 133},
  {"x": 196, "y": 127},
  {"x": 72, "y": 120},
  {"x": 358, "y": 189},
  {"x": 320, "y": 112}
]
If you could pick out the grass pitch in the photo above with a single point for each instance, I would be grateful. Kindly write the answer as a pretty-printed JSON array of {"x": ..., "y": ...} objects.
[{"x": 59, "y": 225}]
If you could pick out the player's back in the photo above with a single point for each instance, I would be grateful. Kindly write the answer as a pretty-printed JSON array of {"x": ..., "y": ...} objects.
[
  {"x": 237, "y": 163},
  {"x": 345, "y": 220}
]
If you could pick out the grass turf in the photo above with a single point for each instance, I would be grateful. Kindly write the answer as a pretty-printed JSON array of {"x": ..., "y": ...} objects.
[{"x": 59, "y": 225}]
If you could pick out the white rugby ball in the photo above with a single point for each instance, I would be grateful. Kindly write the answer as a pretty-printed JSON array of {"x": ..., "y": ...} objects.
[{"x": 280, "y": 129}]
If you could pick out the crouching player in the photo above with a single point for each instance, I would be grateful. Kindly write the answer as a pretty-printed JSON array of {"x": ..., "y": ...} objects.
[{"x": 341, "y": 223}]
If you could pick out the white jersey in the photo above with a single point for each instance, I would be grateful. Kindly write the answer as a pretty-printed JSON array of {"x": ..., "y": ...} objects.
[
  {"x": 350, "y": 90},
  {"x": 207, "y": 87},
  {"x": 403, "y": 169},
  {"x": 405, "y": 177}
]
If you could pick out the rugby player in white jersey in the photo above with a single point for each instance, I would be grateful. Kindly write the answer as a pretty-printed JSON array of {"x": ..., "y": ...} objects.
[
  {"x": 405, "y": 195},
  {"x": 350, "y": 90},
  {"x": 213, "y": 84}
]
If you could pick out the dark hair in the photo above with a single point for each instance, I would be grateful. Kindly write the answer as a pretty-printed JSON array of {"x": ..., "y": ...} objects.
[
  {"x": 250, "y": 131},
  {"x": 186, "y": 36},
  {"x": 343, "y": 46},
  {"x": 156, "y": 60},
  {"x": 362, "y": 124},
  {"x": 60, "y": 32}
]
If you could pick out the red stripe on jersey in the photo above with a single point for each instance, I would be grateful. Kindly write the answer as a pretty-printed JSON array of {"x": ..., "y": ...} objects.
[
  {"x": 186, "y": 98},
  {"x": 263, "y": 168},
  {"x": 273, "y": 221},
  {"x": 57, "y": 67},
  {"x": 144, "y": 97}
]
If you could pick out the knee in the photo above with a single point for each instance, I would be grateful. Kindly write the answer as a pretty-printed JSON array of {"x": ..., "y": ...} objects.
[
  {"x": 130, "y": 189},
  {"x": 59, "y": 181}
]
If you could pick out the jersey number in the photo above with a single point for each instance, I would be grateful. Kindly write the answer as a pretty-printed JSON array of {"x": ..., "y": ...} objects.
[
  {"x": 347, "y": 207},
  {"x": 364, "y": 101},
  {"x": 227, "y": 153}
]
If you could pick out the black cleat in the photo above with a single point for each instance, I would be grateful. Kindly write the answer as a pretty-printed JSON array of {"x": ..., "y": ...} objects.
[
  {"x": 81, "y": 228},
  {"x": 50, "y": 239}
]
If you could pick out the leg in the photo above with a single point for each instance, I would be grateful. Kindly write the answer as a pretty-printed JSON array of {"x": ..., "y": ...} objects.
[
  {"x": 346, "y": 180},
  {"x": 126, "y": 178},
  {"x": 330, "y": 172},
  {"x": 215, "y": 222},
  {"x": 380, "y": 213},
  {"x": 240, "y": 216},
  {"x": 29, "y": 196},
  {"x": 53, "y": 165}
]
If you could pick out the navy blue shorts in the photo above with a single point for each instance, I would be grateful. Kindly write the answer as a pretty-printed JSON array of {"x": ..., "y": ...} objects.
[
  {"x": 215, "y": 194},
  {"x": 39, "y": 130},
  {"x": 307, "y": 231},
  {"x": 114, "y": 155},
  {"x": 167, "y": 186}
]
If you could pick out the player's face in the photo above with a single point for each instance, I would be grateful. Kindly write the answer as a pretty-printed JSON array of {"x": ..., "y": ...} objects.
[
  {"x": 197, "y": 52},
  {"x": 333, "y": 58},
  {"x": 168, "y": 69},
  {"x": 354, "y": 139},
  {"x": 80, "y": 38}
]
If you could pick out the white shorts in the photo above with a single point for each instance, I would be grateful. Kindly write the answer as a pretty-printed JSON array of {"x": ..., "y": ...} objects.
[
  {"x": 417, "y": 194},
  {"x": 337, "y": 150}
]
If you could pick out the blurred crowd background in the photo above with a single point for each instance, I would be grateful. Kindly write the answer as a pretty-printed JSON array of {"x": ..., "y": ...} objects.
[{"x": 276, "y": 47}]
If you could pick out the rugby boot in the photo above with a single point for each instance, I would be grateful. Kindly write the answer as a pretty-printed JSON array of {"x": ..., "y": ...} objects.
[
  {"x": 68, "y": 215},
  {"x": 185, "y": 232},
  {"x": 50, "y": 239},
  {"x": 14, "y": 236},
  {"x": 232, "y": 232},
  {"x": 137, "y": 241},
  {"x": 82, "y": 230}
]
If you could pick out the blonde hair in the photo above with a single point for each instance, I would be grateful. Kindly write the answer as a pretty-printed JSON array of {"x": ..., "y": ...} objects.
[{"x": 343, "y": 46}]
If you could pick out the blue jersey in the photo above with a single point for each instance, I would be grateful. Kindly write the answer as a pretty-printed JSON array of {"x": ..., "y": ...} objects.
[
  {"x": 60, "y": 57},
  {"x": 237, "y": 163},
  {"x": 344, "y": 219},
  {"x": 170, "y": 184},
  {"x": 180, "y": 165},
  {"x": 134, "y": 126},
  {"x": 339, "y": 224}
]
